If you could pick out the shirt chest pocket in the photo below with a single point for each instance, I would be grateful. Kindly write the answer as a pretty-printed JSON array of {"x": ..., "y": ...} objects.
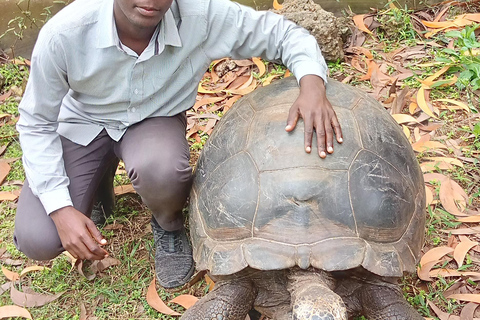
[{"x": 173, "y": 77}]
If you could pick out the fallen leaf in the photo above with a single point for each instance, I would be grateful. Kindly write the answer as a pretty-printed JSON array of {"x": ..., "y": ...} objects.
[
  {"x": 358, "y": 20},
  {"x": 462, "y": 249},
  {"x": 372, "y": 67},
  {"x": 276, "y": 5},
  {"x": 422, "y": 146},
  {"x": 442, "y": 315},
  {"x": 435, "y": 254},
  {"x": 83, "y": 312},
  {"x": 460, "y": 104},
  {"x": 403, "y": 118},
  {"x": 206, "y": 101},
  {"x": 245, "y": 90},
  {"x": 5, "y": 96},
  {"x": 472, "y": 219},
  {"x": 30, "y": 300},
  {"x": 185, "y": 300},
  {"x": 269, "y": 79},
  {"x": 10, "y": 275},
  {"x": 428, "y": 196},
  {"x": 4, "y": 170},
  {"x": 471, "y": 230},
  {"x": 429, "y": 80},
  {"x": 422, "y": 103},
  {"x": 155, "y": 302},
  {"x": 9, "y": 195},
  {"x": 4, "y": 287},
  {"x": 466, "y": 297},
  {"x": 14, "y": 311},
  {"x": 447, "y": 160},
  {"x": 406, "y": 131},
  {"x": 260, "y": 65},
  {"x": 100, "y": 265},
  {"x": 423, "y": 271},
  {"x": 31, "y": 269},
  {"x": 121, "y": 190},
  {"x": 209, "y": 282},
  {"x": 452, "y": 194},
  {"x": 468, "y": 311}
]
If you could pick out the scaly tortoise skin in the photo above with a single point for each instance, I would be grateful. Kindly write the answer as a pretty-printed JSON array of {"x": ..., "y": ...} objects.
[{"x": 297, "y": 236}]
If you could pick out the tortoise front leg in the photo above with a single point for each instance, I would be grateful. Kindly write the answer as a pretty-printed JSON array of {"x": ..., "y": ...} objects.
[
  {"x": 386, "y": 302},
  {"x": 229, "y": 300},
  {"x": 375, "y": 299}
]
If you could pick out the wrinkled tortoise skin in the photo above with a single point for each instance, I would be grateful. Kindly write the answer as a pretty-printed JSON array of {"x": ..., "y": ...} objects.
[{"x": 259, "y": 200}]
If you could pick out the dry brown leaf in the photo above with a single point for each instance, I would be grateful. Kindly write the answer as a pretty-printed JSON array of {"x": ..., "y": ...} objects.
[
  {"x": 447, "y": 160},
  {"x": 462, "y": 249},
  {"x": 468, "y": 311},
  {"x": 269, "y": 79},
  {"x": 31, "y": 269},
  {"x": 5, "y": 96},
  {"x": 14, "y": 311},
  {"x": 473, "y": 297},
  {"x": 452, "y": 194},
  {"x": 358, "y": 20},
  {"x": 435, "y": 254},
  {"x": 121, "y": 190},
  {"x": 422, "y": 103},
  {"x": 422, "y": 146},
  {"x": 372, "y": 67},
  {"x": 403, "y": 118},
  {"x": 206, "y": 101},
  {"x": 4, "y": 170},
  {"x": 83, "y": 312},
  {"x": 5, "y": 287},
  {"x": 428, "y": 196},
  {"x": 433, "y": 165},
  {"x": 260, "y": 65},
  {"x": 459, "y": 104},
  {"x": 412, "y": 107},
  {"x": 429, "y": 177},
  {"x": 10, "y": 275},
  {"x": 9, "y": 195},
  {"x": 209, "y": 282},
  {"x": 100, "y": 265},
  {"x": 471, "y": 219},
  {"x": 356, "y": 64},
  {"x": 156, "y": 303},
  {"x": 471, "y": 230},
  {"x": 30, "y": 300},
  {"x": 406, "y": 131},
  {"x": 185, "y": 300},
  {"x": 423, "y": 271},
  {"x": 245, "y": 90},
  {"x": 276, "y": 5}
]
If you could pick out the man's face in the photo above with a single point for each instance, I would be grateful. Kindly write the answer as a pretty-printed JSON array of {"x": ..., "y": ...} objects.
[{"x": 140, "y": 14}]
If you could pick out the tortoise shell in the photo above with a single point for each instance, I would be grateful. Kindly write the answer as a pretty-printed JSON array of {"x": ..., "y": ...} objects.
[{"x": 259, "y": 200}]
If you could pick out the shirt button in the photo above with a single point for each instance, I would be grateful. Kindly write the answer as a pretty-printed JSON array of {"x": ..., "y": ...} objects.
[
  {"x": 136, "y": 91},
  {"x": 133, "y": 109}
]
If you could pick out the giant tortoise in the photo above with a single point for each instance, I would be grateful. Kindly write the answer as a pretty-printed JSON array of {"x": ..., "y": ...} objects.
[{"x": 300, "y": 237}]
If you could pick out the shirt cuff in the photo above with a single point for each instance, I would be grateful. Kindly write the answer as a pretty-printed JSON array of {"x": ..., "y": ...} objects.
[
  {"x": 56, "y": 199},
  {"x": 310, "y": 68}
]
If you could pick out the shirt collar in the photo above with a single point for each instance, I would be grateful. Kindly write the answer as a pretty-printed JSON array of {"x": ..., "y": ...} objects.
[{"x": 107, "y": 31}]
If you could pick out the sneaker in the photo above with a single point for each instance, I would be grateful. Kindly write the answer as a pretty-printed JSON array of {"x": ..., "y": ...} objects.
[{"x": 173, "y": 256}]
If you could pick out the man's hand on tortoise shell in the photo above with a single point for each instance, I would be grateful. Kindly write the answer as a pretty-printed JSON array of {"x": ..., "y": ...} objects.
[{"x": 318, "y": 115}]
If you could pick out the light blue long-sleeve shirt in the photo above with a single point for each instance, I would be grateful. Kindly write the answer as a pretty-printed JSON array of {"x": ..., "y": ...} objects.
[{"x": 84, "y": 80}]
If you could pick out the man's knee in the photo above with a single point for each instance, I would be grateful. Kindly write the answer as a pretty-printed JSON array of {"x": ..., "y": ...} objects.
[
  {"x": 37, "y": 244},
  {"x": 161, "y": 175}
]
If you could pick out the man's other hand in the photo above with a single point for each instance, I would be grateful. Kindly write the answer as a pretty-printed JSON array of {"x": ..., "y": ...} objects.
[
  {"x": 78, "y": 234},
  {"x": 318, "y": 115}
]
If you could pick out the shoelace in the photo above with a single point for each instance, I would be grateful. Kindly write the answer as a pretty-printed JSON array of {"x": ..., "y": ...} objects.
[{"x": 171, "y": 241}]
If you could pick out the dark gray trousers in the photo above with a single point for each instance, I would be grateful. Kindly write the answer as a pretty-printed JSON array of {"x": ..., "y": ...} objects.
[{"x": 156, "y": 157}]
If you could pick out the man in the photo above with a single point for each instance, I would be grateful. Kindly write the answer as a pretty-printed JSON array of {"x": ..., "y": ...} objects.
[{"x": 112, "y": 79}]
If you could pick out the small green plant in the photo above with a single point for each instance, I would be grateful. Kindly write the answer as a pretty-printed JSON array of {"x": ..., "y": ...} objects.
[{"x": 464, "y": 59}]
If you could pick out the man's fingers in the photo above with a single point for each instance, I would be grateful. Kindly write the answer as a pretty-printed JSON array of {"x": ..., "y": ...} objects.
[
  {"x": 321, "y": 142},
  {"x": 308, "y": 135},
  {"x": 329, "y": 137},
  {"x": 292, "y": 119},
  {"x": 96, "y": 234},
  {"x": 338, "y": 130}
]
